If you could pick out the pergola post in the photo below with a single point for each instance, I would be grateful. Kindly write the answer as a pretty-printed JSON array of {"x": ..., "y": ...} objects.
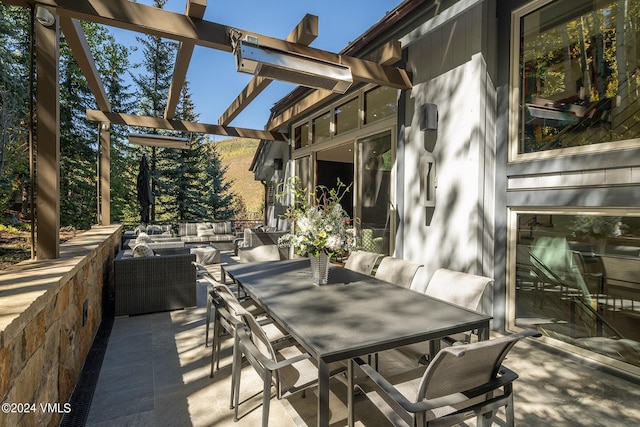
[
  {"x": 47, "y": 141},
  {"x": 105, "y": 175}
]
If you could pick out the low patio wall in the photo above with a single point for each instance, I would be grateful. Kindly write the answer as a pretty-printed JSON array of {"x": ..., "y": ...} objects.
[{"x": 50, "y": 311}]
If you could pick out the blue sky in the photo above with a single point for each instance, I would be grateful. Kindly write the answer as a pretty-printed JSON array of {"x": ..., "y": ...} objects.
[{"x": 214, "y": 83}]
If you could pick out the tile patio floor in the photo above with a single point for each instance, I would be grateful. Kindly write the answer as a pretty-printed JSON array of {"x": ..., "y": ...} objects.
[{"x": 156, "y": 373}]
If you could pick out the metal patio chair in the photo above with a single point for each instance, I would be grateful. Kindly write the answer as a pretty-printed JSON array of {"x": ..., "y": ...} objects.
[
  {"x": 284, "y": 365},
  {"x": 461, "y": 382},
  {"x": 398, "y": 271},
  {"x": 363, "y": 262}
]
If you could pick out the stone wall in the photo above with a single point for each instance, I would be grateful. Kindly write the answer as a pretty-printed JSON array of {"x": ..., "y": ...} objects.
[{"x": 57, "y": 308}]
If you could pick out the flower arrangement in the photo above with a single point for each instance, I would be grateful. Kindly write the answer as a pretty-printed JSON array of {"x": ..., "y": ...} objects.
[{"x": 322, "y": 227}]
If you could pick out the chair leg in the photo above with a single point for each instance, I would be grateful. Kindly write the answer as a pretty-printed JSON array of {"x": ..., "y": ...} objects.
[
  {"x": 266, "y": 398},
  {"x": 215, "y": 345},
  {"x": 510, "y": 421},
  {"x": 236, "y": 367},
  {"x": 207, "y": 320}
]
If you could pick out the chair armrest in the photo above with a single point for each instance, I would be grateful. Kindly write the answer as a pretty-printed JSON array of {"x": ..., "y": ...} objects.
[
  {"x": 507, "y": 376},
  {"x": 247, "y": 344}
]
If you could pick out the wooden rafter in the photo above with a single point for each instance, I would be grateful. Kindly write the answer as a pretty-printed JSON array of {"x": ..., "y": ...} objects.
[
  {"x": 180, "y": 125},
  {"x": 304, "y": 33},
  {"x": 194, "y": 9},
  {"x": 77, "y": 41},
  {"x": 162, "y": 23}
]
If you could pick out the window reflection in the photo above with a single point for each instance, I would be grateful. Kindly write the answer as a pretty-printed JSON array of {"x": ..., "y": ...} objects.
[
  {"x": 579, "y": 77},
  {"x": 578, "y": 281}
]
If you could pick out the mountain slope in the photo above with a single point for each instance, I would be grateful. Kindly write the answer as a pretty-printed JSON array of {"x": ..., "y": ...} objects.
[{"x": 237, "y": 154}]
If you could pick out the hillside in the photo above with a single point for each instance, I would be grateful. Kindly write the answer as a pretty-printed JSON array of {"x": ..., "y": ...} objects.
[{"x": 237, "y": 154}]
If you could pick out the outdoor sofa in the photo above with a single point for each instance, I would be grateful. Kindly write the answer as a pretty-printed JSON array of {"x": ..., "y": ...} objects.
[
  {"x": 219, "y": 233},
  {"x": 166, "y": 280}
]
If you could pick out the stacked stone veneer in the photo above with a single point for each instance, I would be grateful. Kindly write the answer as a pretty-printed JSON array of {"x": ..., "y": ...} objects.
[{"x": 44, "y": 343}]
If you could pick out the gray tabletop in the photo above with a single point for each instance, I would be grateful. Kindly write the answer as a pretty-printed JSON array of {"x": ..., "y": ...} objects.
[{"x": 354, "y": 314}]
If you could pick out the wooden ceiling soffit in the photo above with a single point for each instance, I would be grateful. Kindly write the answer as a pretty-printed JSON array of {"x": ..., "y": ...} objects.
[
  {"x": 162, "y": 23},
  {"x": 304, "y": 33},
  {"x": 389, "y": 53},
  {"x": 194, "y": 9},
  {"x": 77, "y": 41},
  {"x": 180, "y": 125}
]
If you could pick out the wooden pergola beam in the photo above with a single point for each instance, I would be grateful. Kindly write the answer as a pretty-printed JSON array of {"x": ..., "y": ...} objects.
[
  {"x": 304, "y": 33},
  {"x": 180, "y": 125},
  {"x": 151, "y": 20},
  {"x": 389, "y": 53},
  {"x": 76, "y": 39},
  {"x": 194, "y": 9}
]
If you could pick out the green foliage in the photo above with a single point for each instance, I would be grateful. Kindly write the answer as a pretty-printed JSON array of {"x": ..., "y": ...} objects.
[
  {"x": 188, "y": 184},
  {"x": 14, "y": 103}
]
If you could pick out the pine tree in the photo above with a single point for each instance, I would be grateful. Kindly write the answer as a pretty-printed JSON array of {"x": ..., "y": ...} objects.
[
  {"x": 188, "y": 183},
  {"x": 153, "y": 90},
  {"x": 220, "y": 199},
  {"x": 113, "y": 64},
  {"x": 14, "y": 106}
]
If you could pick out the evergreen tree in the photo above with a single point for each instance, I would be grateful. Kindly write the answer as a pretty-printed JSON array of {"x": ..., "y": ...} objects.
[
  {"x": 153, "y": 89},
  {"x": 113, "y": 64},
  {"x": 220, "y": 198},
  {"x": 14, "y": 106},
  {"x": 185, "y": 182},
  {"x": 77, "y": 141}
]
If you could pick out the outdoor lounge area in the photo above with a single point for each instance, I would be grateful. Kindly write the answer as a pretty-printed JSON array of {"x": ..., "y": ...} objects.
[
  {"x": 156, "y": 372},
  {"x": 153, "y": 369}
]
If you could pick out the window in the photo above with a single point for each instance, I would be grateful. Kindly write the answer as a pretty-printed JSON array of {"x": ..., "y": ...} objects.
[
  {"x": 379, "y": 103},
  {"x": 578, "y": 281},
  {"x": 321, "y": 128},
  {"x": 579, "y": 77},
  {"x": 301, "y": 136},
  {"x": 346, "y": 116}
]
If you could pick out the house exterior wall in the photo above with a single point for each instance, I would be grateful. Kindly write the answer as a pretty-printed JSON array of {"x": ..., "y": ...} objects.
[{"x": 449, "y": 66}]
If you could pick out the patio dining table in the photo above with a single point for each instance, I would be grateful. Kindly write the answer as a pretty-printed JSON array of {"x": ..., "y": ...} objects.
[{"x": 353, "y": 315}]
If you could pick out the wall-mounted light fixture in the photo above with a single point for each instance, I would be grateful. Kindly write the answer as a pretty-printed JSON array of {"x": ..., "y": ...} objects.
[
  {"x": 44, "y": 16},
  {"x": 428, "y": 180},
  {"x": 429, "y": 117},
  {"x": 105, "y": 126},
  {"x": 287, "y": 66},
  {"x": 277, "y": 164},
  {"x": 159, "y": 141}
]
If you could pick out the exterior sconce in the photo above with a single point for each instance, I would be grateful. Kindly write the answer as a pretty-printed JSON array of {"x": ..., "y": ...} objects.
[
  {"x": 429, "y": 117},
  {"x": 44, "y": 16},
  {"x": 277, "y": 164},
  {"x": 428, "y": 180}
]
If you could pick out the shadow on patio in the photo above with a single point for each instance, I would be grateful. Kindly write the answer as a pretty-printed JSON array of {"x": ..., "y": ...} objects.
[{"x": 156, "y": 372}]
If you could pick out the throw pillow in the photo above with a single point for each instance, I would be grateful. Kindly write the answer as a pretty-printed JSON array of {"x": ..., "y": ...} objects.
[
  {"x": 154, "y": 229},
  {"x": 219, "y": 228},
  {"x": 143, "y": 238},
  {"x": 205, "y": 232},
  {"x": 142, "y": 250}
]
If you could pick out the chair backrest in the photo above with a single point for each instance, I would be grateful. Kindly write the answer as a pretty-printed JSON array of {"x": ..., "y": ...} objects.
[
  {"x": 259, "y": 253},
  {"x": 458, "y": 288},
  {"x": 258, "y": 337},
  {"x": 397, "y": 271},
  {"x": 362, "y": 261},
  {"x": 233, "y": 306},
  {"x": 463, "y": 367}
]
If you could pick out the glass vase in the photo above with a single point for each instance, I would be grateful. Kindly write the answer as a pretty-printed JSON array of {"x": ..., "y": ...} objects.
[{"x": 319, "y": 268}]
